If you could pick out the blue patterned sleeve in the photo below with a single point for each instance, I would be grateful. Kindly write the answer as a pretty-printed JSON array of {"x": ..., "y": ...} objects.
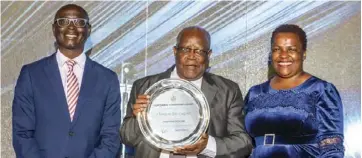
[
  {"x": 249, "y": 95},
  {"x": 330, "y": 116}
]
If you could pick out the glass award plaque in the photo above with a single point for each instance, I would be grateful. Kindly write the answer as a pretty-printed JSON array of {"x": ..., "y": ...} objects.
[{"x": 177, "y": 115}]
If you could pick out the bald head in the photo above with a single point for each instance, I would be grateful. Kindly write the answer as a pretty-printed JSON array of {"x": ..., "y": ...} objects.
[
  {"x": 69, "y": 7},
  {"x": 194, "y": 30}
]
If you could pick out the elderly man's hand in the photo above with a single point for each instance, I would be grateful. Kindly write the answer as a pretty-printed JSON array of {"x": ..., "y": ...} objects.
[
  {"x": 141, "y": 104},
  {"x": 194, "y": 148}
]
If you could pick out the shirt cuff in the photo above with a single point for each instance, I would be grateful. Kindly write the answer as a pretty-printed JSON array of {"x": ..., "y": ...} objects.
[
  {"x": 210, "y": 150},
  {"x": 164, "y": 154}
]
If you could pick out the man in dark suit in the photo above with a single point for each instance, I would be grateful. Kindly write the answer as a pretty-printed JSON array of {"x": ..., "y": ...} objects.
[
  {"x": 66, "y": 105},
  {"x": 226, "y": 136}
]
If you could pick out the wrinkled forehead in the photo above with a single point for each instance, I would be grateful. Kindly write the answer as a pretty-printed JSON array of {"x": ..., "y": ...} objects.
[
  {"x": 71, "y": 12},
  {"x": 196, "y": 38}
]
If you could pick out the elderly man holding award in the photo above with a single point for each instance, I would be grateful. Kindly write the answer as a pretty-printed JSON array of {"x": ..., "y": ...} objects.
[{"x": 185, "y": 111}]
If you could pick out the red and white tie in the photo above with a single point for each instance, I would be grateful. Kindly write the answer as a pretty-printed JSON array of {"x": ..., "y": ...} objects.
[{"x": 72, "y": 88}]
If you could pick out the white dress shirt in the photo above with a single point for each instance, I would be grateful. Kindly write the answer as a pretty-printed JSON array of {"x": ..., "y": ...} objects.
[
  {"x": 210, "y": 149},
  {"x": 78, "y": 68}
]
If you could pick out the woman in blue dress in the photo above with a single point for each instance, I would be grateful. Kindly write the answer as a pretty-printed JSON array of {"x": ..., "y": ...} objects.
[{"x": 294, "y": 114}]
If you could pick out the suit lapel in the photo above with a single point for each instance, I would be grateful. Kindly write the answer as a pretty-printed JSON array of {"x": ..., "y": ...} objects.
[
  {"x": 53, "y": 74},
  {"x": 166, "y": 74},
  {"x": 209, "y": 89},
  {"x": 86, "y": 90}
]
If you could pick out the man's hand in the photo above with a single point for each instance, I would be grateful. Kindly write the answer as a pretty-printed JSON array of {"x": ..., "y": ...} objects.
[
  {"x": 141, "y": 104},
  {"x": 194, "y": 148}
]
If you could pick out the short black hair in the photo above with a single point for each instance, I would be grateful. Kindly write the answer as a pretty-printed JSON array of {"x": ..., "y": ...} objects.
[
  {"x": 194, "y": 28},
  {"x": 71, "y": 6},
  {"x": 291, "y": 28}
]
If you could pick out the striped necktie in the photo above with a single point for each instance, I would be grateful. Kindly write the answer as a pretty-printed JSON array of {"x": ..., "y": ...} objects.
[{"x": 72, "y": 88}]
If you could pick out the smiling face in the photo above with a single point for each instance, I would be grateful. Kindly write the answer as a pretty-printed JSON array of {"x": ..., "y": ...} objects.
[
  {"x": 192, "y": 64},
  {"x": 71, "y": 38},
  {"x": 287, "y": 55}
]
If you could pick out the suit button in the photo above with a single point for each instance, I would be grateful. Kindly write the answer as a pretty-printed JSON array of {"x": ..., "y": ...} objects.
[{"x": 71, "y": 133}]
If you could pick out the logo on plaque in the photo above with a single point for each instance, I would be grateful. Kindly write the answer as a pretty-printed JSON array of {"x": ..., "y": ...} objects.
[{"x": 173, "y": 98}]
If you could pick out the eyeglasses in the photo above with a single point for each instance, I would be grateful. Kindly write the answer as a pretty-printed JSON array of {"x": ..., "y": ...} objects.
[
  {"x": 77, "y": 22},
  {"x": 188, "y": 50}
]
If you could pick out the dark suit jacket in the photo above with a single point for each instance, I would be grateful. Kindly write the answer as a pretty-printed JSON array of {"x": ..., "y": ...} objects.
[
  {"x": 226, "y": 111},
  {"x": 41, "y": 121}
]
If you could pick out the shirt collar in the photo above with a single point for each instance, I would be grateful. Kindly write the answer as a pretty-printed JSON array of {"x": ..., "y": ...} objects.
[
  {"x": 61, "y": 59},
  {"x": 197, "y": 82}
]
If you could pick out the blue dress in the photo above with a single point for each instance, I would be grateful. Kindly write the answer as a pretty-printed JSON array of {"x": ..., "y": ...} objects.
[{"x": 302, "y": 122}]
